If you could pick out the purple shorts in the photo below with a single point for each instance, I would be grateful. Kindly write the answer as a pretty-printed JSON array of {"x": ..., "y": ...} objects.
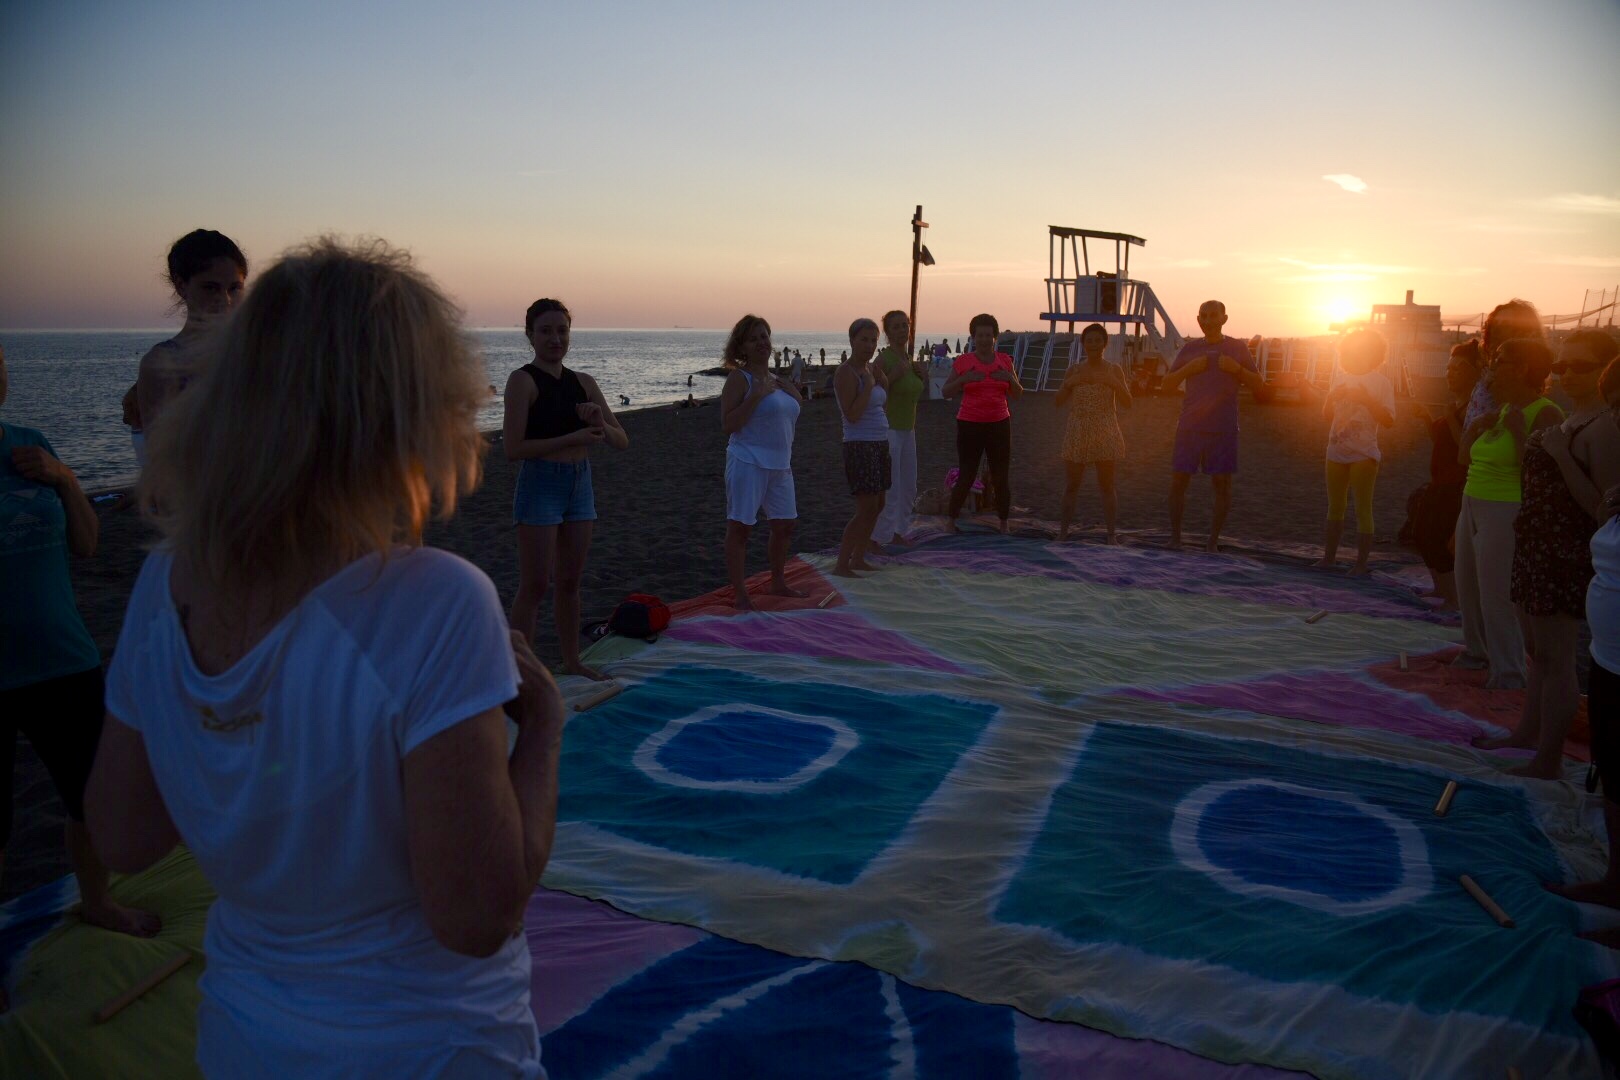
[{"x": 1213, "y": 452}]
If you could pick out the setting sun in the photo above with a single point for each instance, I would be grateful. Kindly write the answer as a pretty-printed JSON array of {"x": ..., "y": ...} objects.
[{"x": 1342, "y": 308}]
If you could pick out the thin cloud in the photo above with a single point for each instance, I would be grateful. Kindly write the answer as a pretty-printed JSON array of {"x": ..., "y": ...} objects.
[
  {"x": 1355, "y": 185},
  {"x": 1591, "y": 262},
  {"x": 1584, "y": 204},
  {"x": 1510, "y": 228}
]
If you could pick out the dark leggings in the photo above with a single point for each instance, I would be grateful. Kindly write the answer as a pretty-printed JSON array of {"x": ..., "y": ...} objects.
[
  {"x": 62, "y": 719},
  {"x": 988, "y": 440},
  {"x": 1603, "y": 710}
]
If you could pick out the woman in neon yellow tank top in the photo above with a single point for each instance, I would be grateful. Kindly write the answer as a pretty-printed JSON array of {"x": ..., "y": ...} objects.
[{"x": 1493, "y": 449}]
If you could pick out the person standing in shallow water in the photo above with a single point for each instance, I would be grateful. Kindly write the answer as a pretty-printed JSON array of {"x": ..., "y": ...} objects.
[
  {"x": 554, "y": 416},
  {"x": 1213, "y": 367},
  {"x": 759, "y": 411},
  {"x": 208, "y": 273}
]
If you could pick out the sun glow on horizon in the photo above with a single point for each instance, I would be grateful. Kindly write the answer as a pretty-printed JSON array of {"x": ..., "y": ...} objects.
[{"x": 1339, "y": 309}]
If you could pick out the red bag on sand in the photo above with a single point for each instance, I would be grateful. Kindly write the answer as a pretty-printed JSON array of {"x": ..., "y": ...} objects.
[{"x": 640, "y": 615}]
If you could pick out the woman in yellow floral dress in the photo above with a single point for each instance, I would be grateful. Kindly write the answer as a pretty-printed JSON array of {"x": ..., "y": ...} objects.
[{"x": 1092, "y": 390}]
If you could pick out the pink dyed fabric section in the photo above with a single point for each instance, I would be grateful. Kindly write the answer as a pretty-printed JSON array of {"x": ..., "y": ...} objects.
[
  {"x": 838, "y": 635},
  {"x": 579, "y": 949},
  {"x": 1326, "y": 698}
]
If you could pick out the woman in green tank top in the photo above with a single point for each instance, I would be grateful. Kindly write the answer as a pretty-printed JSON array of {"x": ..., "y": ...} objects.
[
  {"x": 907, "y": 381},
  {"x": 1493, "y": 449}
]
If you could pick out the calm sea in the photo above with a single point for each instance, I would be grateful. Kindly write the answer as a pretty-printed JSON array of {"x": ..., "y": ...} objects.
[{"x": 69, "y": 384}]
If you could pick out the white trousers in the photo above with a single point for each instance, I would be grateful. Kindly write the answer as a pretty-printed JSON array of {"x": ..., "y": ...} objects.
[
  {"x": 902, "y": 495},
  {"x": 1484, "y": 568}
]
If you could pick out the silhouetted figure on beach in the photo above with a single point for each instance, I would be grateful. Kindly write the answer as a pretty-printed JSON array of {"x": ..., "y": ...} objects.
[
  {"x": 1213, "y": 367},
  {"x": 1093, "y": 390},
  {"x": 905, "y": 384},
  {"x": 1359, "y": 401}
]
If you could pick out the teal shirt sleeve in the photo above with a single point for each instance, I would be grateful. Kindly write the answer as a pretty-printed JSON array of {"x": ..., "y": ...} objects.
[{"x": 41, "y": 634}]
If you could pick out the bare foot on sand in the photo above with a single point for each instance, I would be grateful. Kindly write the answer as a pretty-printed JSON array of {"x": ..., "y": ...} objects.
[
  {"x": 1513, "y": 741},
  {"x": 1324, "y": 564},
  {"x": 782, "y": 588},
  {"x": 1604, "y": 892},
  {"x": 1213, "y": 547},
  {"x": 1111, "y": 540},
  {"x": 1003, "y": 528},
  {"x": 577, "y": 668},
  {"x": 1359, "y": 570},
  {"x": 120, "y": 919}
]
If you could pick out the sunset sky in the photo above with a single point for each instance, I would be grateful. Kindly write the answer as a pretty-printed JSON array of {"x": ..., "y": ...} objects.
[{"x": 679, "y": 164}]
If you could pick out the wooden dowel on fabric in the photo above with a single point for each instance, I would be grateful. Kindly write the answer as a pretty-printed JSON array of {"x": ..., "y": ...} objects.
[
  {"x": 1446, "y": 796},
  {"x": 1318, "y": 617},
  {"x": 595, "y": 698},
  {"x": 1484, "y": 900},
  {"x": 122, "y": 1001},
  {"x": 1405, "y": 666},
  {"x": 825, "y": 600}
]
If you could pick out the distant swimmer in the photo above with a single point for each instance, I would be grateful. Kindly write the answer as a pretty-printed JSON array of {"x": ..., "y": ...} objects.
[
  {"x": 689, "y": 380},
  {"x": 623, "y": 400}
]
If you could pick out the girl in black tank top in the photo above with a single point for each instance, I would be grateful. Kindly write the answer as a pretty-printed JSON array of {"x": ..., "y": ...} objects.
[
  {"x": 554, "y": 506},
  {"x": 555, "y": 411}
]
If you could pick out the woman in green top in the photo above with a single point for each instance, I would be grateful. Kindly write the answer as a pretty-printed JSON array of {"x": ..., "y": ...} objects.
[
  {"x": 1493, "y": 449},
  {"x": 906, "y": 382}
]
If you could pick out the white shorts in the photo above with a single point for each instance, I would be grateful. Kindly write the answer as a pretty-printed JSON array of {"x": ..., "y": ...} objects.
[{"x": 750, "y": 488}]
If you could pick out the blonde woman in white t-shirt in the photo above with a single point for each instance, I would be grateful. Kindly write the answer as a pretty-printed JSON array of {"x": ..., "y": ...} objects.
[
  {"x": 315, "y": 704},
  {"x": 1359, "y": 401}
]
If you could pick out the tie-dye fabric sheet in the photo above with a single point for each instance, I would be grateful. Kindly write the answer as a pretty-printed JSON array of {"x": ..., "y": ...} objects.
[
  {"x": 1003, "y": 808},
  {"x": 1125, "y": 788}
]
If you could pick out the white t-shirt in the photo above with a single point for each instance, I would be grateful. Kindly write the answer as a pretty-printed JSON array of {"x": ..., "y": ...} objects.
[
  {"x": 283, "y": 776},
  {"x": 1603, "y": 596},
  {"x": 1354, "y": 434}
]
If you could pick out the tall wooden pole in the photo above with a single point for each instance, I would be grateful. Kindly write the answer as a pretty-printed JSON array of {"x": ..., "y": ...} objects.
[{"x": 917, "y": 226}]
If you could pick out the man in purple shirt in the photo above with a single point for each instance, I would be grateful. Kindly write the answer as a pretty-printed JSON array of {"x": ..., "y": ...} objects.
[{"x": 1213, "y": 367}]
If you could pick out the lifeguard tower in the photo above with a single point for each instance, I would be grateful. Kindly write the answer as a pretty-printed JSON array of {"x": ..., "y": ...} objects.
[{"x": 1141, "y": 335}]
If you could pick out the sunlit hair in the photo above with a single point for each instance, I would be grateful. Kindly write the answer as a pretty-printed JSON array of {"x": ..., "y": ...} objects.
[
  {"x": 1214, "y": 304},
  {"x": 544, "y": 306},
  {"x": 330, "y": 416},
  {"x": 984, "y": 320},
  {"x": 733, "y": 356},
  {"x": 861, "y": 324},
  {"x": 888, "y": 320},
  {"x": 1609, "y": 383},
  {"x": 1600, "y": 344},
  {"x": 1366, "y": 346},
  {"x": 1096, "y": 327},
  {"x": 1534, "y": 358},
  {"x": 1469, "y": 352},
  {"x": 1514, "y": 319}
]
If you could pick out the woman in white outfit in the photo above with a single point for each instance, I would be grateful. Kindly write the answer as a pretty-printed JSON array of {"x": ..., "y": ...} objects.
[
  {"x": 760, "y": 412},
  {"x": 316, "y": 705}
]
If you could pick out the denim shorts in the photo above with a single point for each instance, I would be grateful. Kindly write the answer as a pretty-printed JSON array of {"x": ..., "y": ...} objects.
[{"x": 552, "y": 492}]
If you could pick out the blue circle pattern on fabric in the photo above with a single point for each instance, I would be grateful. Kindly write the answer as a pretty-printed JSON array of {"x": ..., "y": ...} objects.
[
  {"x": 1275, "y": 836},
  {"x": 747, "y": 748},
  {"x": 1327, "y": 850},
  {"x": 744, "y": 745}
]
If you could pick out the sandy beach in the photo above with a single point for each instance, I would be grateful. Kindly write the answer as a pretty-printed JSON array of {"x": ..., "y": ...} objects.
[{"x": 662, "y": 507}]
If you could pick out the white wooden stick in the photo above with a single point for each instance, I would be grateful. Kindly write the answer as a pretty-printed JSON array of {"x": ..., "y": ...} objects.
[
  {"x": 591, "y": 700},
  {"x": 1446, "y": 796},
  {"x": 1318, "y": 617},
  {"x": 1483, "y": 898}
]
